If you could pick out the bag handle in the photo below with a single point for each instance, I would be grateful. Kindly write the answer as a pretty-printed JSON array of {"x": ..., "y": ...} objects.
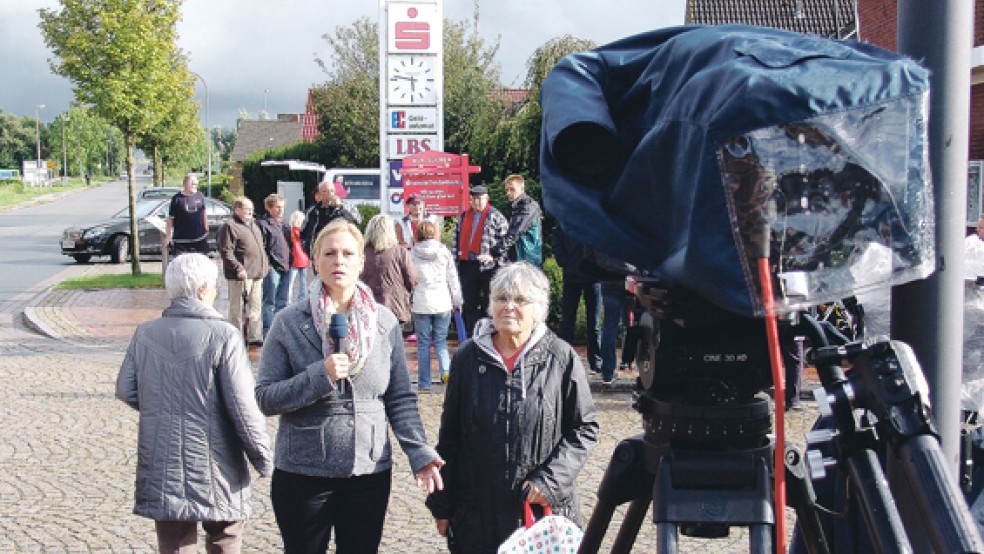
[{"x": 528, "y": 519}]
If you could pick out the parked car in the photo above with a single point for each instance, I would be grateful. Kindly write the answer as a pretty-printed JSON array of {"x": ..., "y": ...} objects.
[
  {"x": 111, "y": 237},
  {"x": 160, "y": 192}
]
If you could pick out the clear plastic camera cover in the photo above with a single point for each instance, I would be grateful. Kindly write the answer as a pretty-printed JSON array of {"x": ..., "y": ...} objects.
[{"x": 841, "y": 204}]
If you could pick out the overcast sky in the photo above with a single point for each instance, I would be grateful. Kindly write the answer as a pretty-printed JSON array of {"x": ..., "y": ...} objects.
[{"x": 253, "y": 53}]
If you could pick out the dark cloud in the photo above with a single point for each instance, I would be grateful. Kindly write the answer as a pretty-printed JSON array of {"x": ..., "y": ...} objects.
[{"x": 245, "y": 47}]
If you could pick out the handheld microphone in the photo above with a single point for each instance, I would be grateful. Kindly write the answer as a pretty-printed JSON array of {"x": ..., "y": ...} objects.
[{"x": 338, "y": 329}]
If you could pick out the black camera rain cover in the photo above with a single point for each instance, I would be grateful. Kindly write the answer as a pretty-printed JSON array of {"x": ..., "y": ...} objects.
[{"x": 693, "y": 151}]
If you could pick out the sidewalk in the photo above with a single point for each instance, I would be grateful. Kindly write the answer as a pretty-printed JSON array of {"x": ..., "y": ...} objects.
[
  {"x": 67, "y": 443},
  {"x": 107, "y": 318}
]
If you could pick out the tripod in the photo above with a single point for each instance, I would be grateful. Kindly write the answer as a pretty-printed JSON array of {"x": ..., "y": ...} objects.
[
  {"x": 705, "y": 456},
  {"x": 704, "y": 462},
  {"x": 703, "y": 469},
  {"x": 878, "y": 410}
]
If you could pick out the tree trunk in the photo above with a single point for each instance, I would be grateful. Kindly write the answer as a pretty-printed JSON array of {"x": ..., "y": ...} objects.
[{"x": 134, "y": 234}]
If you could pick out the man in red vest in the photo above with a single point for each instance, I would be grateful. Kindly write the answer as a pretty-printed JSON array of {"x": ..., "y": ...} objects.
[{"x": 479, "y": 248}]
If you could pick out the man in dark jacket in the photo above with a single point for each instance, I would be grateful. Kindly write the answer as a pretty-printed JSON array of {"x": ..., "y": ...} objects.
[
  {"x": 523, "y": 239},
  {"x": 327, "y": 207},
  {"x": 244, "y": 264},
  {"x": 276, "y": 237},
  {"x": 569, "y": 253}
]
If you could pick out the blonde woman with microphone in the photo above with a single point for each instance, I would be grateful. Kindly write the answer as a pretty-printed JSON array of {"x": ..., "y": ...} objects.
[{"x": 333, "y": 457}]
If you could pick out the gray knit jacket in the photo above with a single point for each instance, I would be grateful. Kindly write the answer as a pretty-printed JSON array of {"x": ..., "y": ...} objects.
[{"x": 322, "y": 433}]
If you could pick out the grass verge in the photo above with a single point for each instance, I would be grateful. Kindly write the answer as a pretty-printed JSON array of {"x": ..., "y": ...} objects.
[
  {"x": 15, "y": 192},
  {"x": 114, "y": 281}
]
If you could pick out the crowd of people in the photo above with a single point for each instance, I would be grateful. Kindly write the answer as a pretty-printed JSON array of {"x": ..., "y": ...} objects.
[{"x": 331, "y": 308}]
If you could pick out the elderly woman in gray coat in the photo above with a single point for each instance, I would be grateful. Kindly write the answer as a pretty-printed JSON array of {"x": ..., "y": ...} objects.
[
  {"x": 335, "y": 398},
  {"x": 188, "y": 375}
]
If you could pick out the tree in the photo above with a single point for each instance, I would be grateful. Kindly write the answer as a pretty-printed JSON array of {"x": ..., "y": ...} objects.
[
  {"x": 179, "y": 137},
  {"x": 16, "y": 141},
  {"x": 121, "y": 57},
  {"x": 91, "y": 144},
  {"x": 507, "y": 137}
]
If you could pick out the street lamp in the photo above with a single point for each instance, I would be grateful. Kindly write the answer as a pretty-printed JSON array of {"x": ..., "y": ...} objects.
[
  {"x": 64, "y": 153},
  {"x": 37, "y": 133},
  {"x": 208, "y": 133}
]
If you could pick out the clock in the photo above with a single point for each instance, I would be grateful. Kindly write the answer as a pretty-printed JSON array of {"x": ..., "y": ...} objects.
[{"x": 412, "y": 79}]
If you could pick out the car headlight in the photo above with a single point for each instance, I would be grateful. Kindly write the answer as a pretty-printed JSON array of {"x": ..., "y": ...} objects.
[{"x": 94, "y": 233}]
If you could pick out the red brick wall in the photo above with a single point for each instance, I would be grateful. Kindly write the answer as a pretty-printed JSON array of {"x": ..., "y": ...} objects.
[
  {"x": 979, "y": 24},
  {"x": 878, "y": 22}
]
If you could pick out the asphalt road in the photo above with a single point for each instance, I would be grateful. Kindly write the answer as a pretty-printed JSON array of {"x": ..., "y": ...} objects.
[{"x": 29, "y": 237}]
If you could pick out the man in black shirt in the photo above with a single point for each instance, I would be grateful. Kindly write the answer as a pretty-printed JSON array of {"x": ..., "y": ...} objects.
[{"x": 187, "y": 222}]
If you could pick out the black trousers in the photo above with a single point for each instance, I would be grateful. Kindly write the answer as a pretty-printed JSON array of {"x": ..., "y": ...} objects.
[
  {"x": 474, "y": 291},
  {"x": 197, "y": 247},
  {"x": 307, "y": 508}
]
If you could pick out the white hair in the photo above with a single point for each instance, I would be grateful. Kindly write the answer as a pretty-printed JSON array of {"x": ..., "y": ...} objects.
[
  {"x": 297, "y": 219},
  {"x": 188, "y": 273},
  {"x": 523, "y": 279}
]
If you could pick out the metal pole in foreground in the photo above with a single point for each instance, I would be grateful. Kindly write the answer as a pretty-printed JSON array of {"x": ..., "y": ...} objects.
[
  {"x": 37, "y": 134},
  {"x": 928, "y": 314}
]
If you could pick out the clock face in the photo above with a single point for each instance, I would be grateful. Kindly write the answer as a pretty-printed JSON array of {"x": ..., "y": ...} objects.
[{"x": 412, "y": 80}]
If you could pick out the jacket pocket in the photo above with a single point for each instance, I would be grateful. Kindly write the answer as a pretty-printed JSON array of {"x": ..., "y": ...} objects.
[
  {"x": 306, "y": 445},
  {"x": 371, "y": 429}
]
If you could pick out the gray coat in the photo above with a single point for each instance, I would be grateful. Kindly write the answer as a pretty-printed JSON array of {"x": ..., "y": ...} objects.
[
  {"x": 323, "y": 434},
  {"x": 188, "y": 375}
]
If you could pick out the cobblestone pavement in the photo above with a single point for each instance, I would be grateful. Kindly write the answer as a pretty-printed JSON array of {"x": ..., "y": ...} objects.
[{"x": 67, "y": 445}]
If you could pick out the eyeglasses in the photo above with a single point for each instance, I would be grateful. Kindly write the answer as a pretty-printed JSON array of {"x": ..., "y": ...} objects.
[{"x": 518, "y": 300}]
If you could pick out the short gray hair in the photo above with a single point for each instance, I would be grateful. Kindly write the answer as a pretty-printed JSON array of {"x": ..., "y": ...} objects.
[
  {"x": 188, "y": 273},
  {"x": 523, "y": 279},
  {"x": 381, "y": 233}
]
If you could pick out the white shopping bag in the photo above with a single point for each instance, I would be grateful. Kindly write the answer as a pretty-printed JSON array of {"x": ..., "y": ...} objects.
[{"x": 550, "y": 534}]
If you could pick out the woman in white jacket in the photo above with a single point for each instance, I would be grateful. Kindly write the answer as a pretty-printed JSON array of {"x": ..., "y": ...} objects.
[{"x": 436, "y": 294}]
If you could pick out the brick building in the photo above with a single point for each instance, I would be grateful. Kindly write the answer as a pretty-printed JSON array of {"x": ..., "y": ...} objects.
[{"x": 878, "y": 19}]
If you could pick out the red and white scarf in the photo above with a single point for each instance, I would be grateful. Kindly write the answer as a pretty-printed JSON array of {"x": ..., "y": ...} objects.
[{"x": 362, "y": 316}]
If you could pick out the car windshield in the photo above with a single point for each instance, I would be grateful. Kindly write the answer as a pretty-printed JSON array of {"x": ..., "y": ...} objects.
[{"x": 144, "y": 208}]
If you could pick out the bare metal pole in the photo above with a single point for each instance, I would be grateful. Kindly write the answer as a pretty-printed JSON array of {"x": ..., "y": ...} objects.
[
  {"x": 37, "y": 134},
  {"x": 929, "y": 314}
]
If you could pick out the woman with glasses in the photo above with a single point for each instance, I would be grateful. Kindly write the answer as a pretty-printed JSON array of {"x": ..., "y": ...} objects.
[{"x": 518, "y": 419}]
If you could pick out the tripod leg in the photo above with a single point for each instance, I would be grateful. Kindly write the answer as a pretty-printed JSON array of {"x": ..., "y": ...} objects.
[
  {"x": 629, "y": 530},
  {"x": 760, "y": 539},
  {"x": 879, "y": 509},
  {"x": 666, "y": 538},
  {"x": 601, "y": 518},
  {"x": 625, "y": 480}
]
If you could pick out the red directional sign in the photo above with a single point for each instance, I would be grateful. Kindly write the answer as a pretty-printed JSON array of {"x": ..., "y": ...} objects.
[{"x": 440, "y": 179}]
